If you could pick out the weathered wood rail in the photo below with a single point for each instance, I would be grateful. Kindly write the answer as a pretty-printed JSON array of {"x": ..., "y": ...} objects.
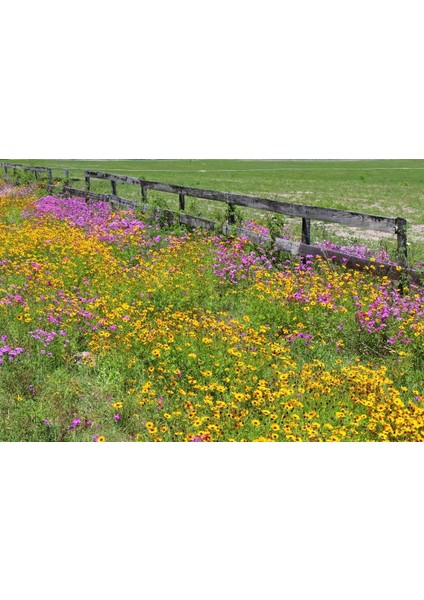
[
  {"x": 35, "y": 170},
  {"x": 353, "y": 219},
  {"x": 396, "y": 226}
]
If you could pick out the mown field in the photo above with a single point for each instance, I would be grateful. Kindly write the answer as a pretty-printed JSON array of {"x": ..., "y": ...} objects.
[{"x": 114, "y": 328}]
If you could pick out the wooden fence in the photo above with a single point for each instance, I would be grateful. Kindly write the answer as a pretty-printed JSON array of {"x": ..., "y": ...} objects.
[
  {"x": 36, "y": 170},
  {"x": 396, "y": 226}
]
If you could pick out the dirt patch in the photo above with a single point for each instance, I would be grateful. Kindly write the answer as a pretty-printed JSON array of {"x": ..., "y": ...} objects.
[
  {"x": 354, "y": 233},
  {"x": 416, "y": 233}
]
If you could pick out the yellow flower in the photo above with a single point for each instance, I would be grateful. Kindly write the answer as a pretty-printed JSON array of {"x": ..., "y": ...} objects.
[{"x": 101, "y": 438}]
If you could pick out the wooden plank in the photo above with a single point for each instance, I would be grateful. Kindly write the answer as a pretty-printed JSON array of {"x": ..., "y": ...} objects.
[
  {"x": 123, "y": 201},
  {"x": 332, "y": 215},
  {"x": 294, "y": 210},
  {"x": 118, "y": 200},
  {"x": 25, "y": 167},
  {"x": 113, "y": 177},
  {"x": 394, "y": 272},
  {"x": 84, "y": 194},
  {"x": 192, "y": 221}
]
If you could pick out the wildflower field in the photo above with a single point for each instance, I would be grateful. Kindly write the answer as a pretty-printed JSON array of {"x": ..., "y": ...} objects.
[{"x": 116, "y": 328}]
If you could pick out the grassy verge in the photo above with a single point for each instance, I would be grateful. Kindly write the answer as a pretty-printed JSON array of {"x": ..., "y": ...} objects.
[{"x": 114, "y": 328}]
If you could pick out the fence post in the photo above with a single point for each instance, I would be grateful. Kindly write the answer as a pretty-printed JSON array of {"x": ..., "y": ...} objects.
[
  {"x": 113, "y": 184},
  {"x": 87, "y": 183},
  {"x": 66, "y": 180},
  {"x": 182, "y": 202},
  {"x": 401, "y": 247},
  {"x": 143, "y": 191},
  {"x": 306, "y": 231},
  {"x": 401, "y": 241}
]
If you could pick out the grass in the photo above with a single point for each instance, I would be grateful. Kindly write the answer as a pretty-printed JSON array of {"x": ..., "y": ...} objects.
[
  {"x": 387, "y": 187},
  {"x": 113, "y": 328}
]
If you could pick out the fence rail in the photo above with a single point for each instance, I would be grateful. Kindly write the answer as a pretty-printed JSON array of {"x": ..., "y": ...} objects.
[
  {"x": 396, "y": 226},
  {"x": 35, "y": 170}
]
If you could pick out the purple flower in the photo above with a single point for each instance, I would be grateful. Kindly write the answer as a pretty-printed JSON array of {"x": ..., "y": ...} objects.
[
  {"x": 117, "y": 417},
  {"x": 47, "y": 422}
]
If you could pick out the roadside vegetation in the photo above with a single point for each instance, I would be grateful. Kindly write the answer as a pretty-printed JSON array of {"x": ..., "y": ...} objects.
[{"x": 115, "y": 328}]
